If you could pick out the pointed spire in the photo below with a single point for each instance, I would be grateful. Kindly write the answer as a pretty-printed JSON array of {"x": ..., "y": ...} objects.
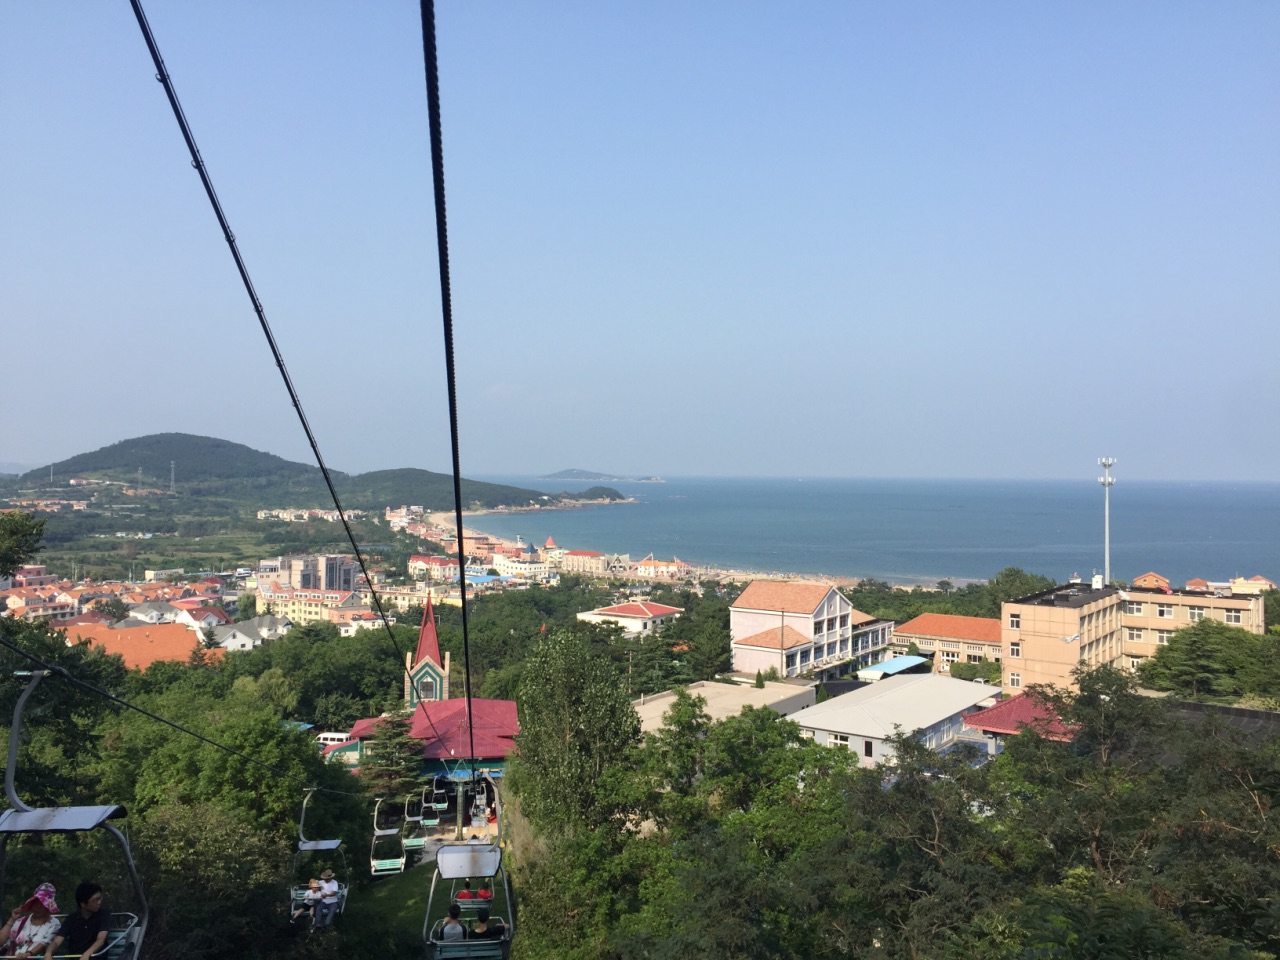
[{"x": 428, "y": 643}]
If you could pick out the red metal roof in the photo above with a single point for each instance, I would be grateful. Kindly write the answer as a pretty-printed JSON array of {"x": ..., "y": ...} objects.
[{"x": 1017, "y": 714}]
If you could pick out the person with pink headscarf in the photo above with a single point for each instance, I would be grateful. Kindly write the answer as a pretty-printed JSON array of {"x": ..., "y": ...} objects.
[{"x": 31, "y": 926}]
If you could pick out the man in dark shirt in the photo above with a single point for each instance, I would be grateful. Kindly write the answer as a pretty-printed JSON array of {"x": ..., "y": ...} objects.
[{"x": 85, "y": 931}]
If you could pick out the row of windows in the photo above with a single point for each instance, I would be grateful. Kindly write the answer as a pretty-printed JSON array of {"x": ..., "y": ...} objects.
[
  {"x": 1164, "y": 611},
  {"x": 820, "y": 626}
]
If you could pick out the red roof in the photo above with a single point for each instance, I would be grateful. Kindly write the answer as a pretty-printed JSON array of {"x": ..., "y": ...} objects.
[
  {"x": 428, "y": 642},
  {"x": 550, "y": 544},
  {"x": 952, "y": 627},
  {"x": 442, "y": 727},
  {"x": 1017, "y": 714},
  {"x": 643, "y": 609}
]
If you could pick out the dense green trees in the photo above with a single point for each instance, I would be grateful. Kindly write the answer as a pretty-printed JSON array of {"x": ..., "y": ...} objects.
[
  {"x": 1212, "y": 661},
  {"x": 20, "y": 535},
  {"x": 1142, "y": 837}
]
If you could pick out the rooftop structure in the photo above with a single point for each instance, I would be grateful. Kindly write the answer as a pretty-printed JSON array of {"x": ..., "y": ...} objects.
[{"x": 727, "y": 700}]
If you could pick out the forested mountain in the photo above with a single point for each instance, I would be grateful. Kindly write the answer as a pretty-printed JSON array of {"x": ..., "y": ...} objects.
[{"x": 209, "y": 467}]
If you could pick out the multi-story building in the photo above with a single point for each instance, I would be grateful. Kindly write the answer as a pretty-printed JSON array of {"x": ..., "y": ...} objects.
[
  {"x": 594, "y": 564},
  {"x": 423, "y": 567},
  {"x": 1045, "y": 635},
  {"x": 800, "y": 628},
  {"x": 311, "y": 572},
  {"x": 305, "y": 605}
]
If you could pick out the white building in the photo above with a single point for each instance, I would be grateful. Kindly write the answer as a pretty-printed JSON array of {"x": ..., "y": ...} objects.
[
  {"x": 929, "y": 706},
  {"x": 640, "y": 617},
  {"x": 798, "y": 628}
]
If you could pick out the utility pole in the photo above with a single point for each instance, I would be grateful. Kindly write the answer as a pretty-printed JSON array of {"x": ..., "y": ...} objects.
[
  {"x": 1107, "y": 481},
  {"x": 171, "y": 488}
]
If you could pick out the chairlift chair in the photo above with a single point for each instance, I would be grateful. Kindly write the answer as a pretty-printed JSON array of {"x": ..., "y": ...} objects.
[
  {"x": 124, "y": 940},
  {"x": 308, "y": 848},
  {"x": 455, "y": 862},
  {"x": 417, "y": 827},
  {"x": 384, "y": 866}
]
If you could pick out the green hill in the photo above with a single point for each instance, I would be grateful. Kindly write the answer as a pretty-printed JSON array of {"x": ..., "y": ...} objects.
[
  {"x": 209, "y": 467},
  {"x": 196, "y": 458}
]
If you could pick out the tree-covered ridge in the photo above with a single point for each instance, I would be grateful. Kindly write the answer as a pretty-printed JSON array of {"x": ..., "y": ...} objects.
[
  {"x": 199, "y": 458},
  {"x": 207, "y": 467}
]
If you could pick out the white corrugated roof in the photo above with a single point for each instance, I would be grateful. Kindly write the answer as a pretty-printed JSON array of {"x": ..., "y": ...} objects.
[{"x": 912, "y": 702}]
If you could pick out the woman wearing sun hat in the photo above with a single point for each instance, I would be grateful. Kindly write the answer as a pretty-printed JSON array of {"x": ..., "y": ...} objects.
[{"x": 31, "y": 926}]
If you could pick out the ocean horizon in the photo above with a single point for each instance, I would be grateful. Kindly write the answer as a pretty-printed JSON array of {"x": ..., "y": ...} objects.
[{"x": 919, "y": 531}]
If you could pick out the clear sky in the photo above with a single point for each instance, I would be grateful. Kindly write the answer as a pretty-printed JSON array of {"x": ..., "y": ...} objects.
[{"x": 829, "y": 238}]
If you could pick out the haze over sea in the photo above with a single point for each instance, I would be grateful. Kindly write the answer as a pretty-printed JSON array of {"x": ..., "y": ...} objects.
[{"x": 921, "y": 531}]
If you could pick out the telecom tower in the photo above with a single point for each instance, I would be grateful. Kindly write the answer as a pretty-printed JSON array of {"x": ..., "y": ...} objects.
[{"x": 1107, "y": 481}]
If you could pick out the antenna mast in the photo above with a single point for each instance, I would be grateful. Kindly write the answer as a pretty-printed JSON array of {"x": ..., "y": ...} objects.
[{"x": 1107, "y": 481}]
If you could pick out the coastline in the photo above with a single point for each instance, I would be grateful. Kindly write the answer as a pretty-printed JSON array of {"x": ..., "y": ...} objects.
[{"x": 698, "y": 571}]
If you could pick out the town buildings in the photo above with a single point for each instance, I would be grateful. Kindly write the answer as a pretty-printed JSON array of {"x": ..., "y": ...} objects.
[
  {"x": 798, "y": 628},
  {"x": 1045, "y": 635}
]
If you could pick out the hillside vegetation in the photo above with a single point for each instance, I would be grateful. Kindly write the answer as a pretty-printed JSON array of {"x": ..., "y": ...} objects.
[{"x": 209, "y": 467}]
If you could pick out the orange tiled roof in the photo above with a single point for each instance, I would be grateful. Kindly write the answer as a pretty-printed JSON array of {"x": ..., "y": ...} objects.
[
  {"x": 774, "y": 638},
  {"x": 783, "y": 596},
  {"x": 952, "y": 627},
  {"x": 140, "y": 647}
]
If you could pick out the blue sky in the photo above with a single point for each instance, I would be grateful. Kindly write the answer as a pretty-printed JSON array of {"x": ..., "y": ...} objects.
[{"x": 842, "y": 239}]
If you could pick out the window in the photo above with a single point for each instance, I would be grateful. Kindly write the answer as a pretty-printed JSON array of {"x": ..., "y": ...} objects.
[
  {"x": 804, "y": 657},
  {"x": 819, "y": 627},
  {"x": 831, "y": 624},
  {"x": 838, "y": 740},
  {"x": 949, "y": 657},
  {"x": 925, "y": 644},
  {"x": 1015, "y": 649},
  {"x": 844, "y": 620},
  {"x": 974, "y": 658},
  {"x": 1132, "y": 608},
  {"x": 1163, "y": 636},
  {"x": 1195, "y": 613},
  {"x": 1015, "y": 679},
  {"x": 1233, "y": 616},
  {"x": 1164, "y": 611},
  {"x": 1015, "y": 621},
  {"x": 791, "y": 660},
  {"x": 1133, "y": 664},
  {"x": 1135, "y": 635},
  {"x": 867, "y": 747}
]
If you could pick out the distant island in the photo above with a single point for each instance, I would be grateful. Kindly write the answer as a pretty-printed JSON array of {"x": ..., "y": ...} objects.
[{"x": 596, "y": 476}]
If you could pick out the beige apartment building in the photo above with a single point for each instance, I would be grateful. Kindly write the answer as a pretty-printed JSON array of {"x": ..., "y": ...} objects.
[{"x": 1046, "y": 634}]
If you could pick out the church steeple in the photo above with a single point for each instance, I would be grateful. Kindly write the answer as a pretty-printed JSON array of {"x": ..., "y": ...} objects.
[{"x": 427, "y": 675}]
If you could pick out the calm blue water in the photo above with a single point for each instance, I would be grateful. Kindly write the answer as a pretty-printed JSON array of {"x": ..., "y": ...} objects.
[{"x": 923, "y": 530}]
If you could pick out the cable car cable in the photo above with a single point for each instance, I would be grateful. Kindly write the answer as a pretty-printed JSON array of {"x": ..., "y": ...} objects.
[
  {"x": 429, "y": 60},
  {"x": 197, "y": 162}
]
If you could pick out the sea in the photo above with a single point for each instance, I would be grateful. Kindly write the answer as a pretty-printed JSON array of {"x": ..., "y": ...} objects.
[{"x": 919, "y": 531}]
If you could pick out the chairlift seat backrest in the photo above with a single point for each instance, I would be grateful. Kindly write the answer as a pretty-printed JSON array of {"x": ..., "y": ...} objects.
[
  {"x": 312, "y": 846},
  {"x": 462, "y": 861},
  {"x": 58, "y": 819}
]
